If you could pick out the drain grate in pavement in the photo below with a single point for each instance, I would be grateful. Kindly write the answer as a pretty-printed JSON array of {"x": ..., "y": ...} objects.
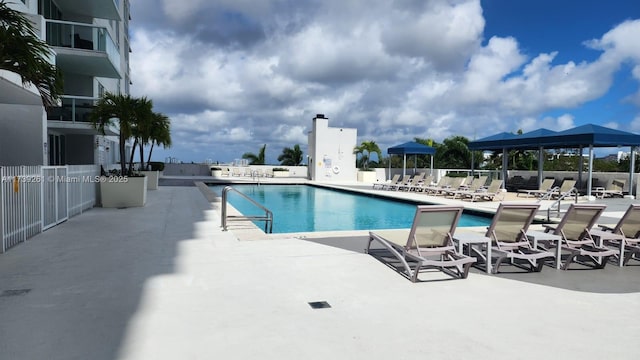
[
  {"x": 14, "y": 292},
  {"x": 319, "y": 305}
]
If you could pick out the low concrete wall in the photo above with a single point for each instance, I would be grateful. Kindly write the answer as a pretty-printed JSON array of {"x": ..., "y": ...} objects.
[
  {"x": 205, "y": 170},
  {"x": 599, "y": 178},
  {"x": 187, "y": 170}
]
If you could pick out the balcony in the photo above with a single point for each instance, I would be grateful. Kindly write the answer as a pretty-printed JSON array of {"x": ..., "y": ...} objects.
[
  {"x": 84, "y": 49},
  {"x": 101, "y": 9},
  {"x": 74, "y": 116},
  {"x": 12, "y": 91}
]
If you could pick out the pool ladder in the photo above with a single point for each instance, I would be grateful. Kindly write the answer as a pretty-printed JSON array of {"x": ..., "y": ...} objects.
[
  {"x": 267, "y": 218},
  {"x": 556, "y": 205}
]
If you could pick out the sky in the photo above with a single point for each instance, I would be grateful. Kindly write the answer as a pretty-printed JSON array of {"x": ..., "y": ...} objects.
[{"x": 233, "y": 75}]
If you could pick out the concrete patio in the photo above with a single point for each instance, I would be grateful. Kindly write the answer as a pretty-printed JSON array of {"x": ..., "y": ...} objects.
[{"x": 164, "y": 282}]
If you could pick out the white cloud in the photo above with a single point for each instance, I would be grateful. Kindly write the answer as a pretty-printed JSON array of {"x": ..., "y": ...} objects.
[
  {"x": 635, "y": 124},
  {"x": 562, "y": 122},
  {"x": 444, "y": 34},
  {"x": 235, "y": 74},
  {"x": 319, "y": 54}
]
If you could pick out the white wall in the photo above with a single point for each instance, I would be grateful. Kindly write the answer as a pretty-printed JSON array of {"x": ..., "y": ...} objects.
[
  {"x": 21, "y": 135},
  {"x": 331, "y": 152}
]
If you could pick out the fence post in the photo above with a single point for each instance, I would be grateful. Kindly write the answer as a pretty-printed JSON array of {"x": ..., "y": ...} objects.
[
  {"x": 2, "y": 237},
  {"x": 23, "y": 190}
]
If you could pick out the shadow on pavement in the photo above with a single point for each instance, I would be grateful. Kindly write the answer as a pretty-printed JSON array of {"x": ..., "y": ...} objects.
[{"x": 610, "y": 280}]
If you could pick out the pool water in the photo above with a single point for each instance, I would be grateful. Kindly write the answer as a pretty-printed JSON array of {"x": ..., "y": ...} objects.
[{"x": 303, "y": 208}]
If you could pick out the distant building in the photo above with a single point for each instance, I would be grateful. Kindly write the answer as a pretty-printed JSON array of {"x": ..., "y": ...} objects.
[
  {"x": 90, "y": 40},
  {"x": 330, "y": 152},
  {"x": 619, "y": 156}
]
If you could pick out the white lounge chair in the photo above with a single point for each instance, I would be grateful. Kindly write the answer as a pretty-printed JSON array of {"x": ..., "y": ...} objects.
[
  {"x": 575, "y": 230},
  {"x": 427, "y": 245},
  {"x": 490, "y": 193},
  {"x": 406, "y": 180},
  {"x": 615, "y": 188},
  {"x": 382, "y": 185},
  {"x": 420, "y": 186},
  {"x": 545, "y": 187},
  {"x": 624, "y": 236},
  {"x": 509, "y": 239},
  {"x": 566, "y": 189},
  {"x": 417, "y": 179},
  {"x": 476, "y": 185}
]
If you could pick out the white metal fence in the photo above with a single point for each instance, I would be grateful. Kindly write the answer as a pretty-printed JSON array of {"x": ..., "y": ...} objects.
[{"x": 35, "y": 198}]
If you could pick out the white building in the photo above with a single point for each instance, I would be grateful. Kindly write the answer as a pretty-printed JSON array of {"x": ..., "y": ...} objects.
[
  {"x": 90, "y": 39},
  {"x": 330, "y": 152}
]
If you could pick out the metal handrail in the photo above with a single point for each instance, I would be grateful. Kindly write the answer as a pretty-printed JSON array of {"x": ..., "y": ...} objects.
[
  {"x": 560, "y": 198},
  {"x": 268, "y": 218}
]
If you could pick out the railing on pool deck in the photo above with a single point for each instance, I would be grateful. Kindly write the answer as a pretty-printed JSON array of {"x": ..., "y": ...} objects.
[{"x": 267, "y": 218}]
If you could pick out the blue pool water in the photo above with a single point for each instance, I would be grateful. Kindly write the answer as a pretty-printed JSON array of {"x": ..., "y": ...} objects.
[{"x": 302, "y": 208}]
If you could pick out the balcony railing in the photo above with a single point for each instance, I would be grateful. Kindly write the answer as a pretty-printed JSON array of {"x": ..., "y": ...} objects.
[
  {"x": 74, "y": 109},
  {"x": 82, "y": 36}
]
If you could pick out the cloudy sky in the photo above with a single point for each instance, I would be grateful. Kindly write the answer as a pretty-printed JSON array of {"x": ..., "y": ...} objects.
[{"x": 236, "y": 74}]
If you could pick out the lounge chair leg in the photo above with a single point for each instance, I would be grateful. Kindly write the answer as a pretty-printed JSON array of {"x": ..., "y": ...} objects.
[
  {"x": 466, "y": 271},
  {"x": 628, "y": 257},
  {"x": 603, "y": 262},
  {"x": 569, "y": 260},
  {"x": 414, "y": 276},
  {"x": 495, "y": 267},
  {"x": 538, "y": 265}
]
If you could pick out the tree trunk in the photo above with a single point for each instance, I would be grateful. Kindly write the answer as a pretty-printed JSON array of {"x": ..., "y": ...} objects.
[
  {"x": 149, "y": 158},
  {"x": 123, "y": 166},
  {"x": 133, "y": 152},
  {"x": 141, "y": 145}
]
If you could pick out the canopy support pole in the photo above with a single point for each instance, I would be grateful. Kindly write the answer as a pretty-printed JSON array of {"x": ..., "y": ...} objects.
[
  {"x": 632, "y": 169},
  {"x": 590, "y": 171},
  {"x": 581, "y": 167},
  {"x": 540, "y": 165},
  {"x": 472, "y": 163},
  {"x": 505, "y": 162},
  {"x": 404, "y": 165},
  {"x": 389, "y": 176},
  {"x": 431, "y": 156}
]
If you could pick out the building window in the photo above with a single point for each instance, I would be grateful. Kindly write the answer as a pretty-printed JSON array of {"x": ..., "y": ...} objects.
[
  {"x": 49, "y": 10},
  {"x": 100, "y": 90},
  {"x": 57, "y": 145}
]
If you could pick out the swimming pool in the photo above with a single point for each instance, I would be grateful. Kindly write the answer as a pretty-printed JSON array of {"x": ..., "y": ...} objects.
[{"x": 304, "y": 208}]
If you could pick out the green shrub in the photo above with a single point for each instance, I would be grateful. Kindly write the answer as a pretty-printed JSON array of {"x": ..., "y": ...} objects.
[{"x": 156, "y": 166}]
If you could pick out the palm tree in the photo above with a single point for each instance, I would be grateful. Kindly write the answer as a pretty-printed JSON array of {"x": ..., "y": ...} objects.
[
  {"x": 365, "y": 150},
  {"x": 424, "y": 161},
  {"x": 291, "y": 157},
  {"x": 256, "y": 159},
  {"x": 160, "y": 133},
  {"x": 454, "y": 153},
  {"x": 23, "y": 53},
  {"x": 124, "y": 110},
  {"x": 141, "y": 129}
]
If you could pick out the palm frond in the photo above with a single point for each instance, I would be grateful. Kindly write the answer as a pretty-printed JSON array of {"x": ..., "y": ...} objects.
[{"x": 24, "y": 53}]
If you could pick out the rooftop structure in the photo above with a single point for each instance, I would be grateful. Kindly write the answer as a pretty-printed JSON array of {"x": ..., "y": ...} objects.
[
  {"x": 331, "y": 156},
  {"x": 90, "y": 41}
]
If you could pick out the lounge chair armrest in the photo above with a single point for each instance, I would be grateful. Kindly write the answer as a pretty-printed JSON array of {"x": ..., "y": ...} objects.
[
  {"x": 548, "y": 228},
  {"x": 606, "y": 227}
]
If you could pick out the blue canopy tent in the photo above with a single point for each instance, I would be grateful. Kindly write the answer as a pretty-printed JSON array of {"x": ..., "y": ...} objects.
[
  {"x": 411, "y": 148},
  {"x": 532, "y": 140},
  {"x": 588, "y": 135},
  {"x": 493, "y": 142}
]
